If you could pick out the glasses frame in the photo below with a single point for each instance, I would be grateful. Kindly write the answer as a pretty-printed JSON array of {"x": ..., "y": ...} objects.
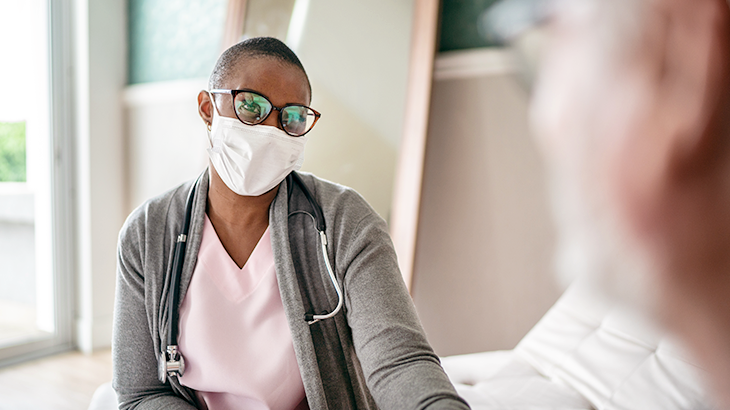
[{"x": 234, "y": 93}]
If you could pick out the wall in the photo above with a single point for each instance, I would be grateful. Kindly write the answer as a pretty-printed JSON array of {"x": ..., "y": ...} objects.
[
  {"x": 173, "y": 39},
  {"x": 166, "y": 139},
  {"x": 268, "y": 18},
  {"x": 99, "y": 44},
  {"x": 460, "y": 25},
  {"x": 173, "y": 46},
  {"x": 356, "y": 55},
  {"x": 483, "y": 255}
]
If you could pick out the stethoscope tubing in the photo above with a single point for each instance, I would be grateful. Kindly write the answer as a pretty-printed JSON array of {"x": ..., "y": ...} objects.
[
  {"x": 311, "y": 318},
  {"x": 170, "y": 361},
  {"x": 177, "y": 265},
  {"x": 340, "y": 298}
]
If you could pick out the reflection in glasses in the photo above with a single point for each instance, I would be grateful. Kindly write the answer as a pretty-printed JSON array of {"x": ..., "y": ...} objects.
[{"x": 253, "y": 108}]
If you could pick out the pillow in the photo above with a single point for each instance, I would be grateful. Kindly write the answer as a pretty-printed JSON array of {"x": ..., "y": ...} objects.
[
  {"x": 614, "y": 356},
  {"x": 503, "y": 380}
]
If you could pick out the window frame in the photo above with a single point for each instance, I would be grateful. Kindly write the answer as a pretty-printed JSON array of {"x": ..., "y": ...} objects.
[{"x": 63, "y": 226}]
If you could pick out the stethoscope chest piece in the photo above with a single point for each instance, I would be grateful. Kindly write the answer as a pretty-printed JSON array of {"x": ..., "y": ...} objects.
[{"x": 170, "y": 363}]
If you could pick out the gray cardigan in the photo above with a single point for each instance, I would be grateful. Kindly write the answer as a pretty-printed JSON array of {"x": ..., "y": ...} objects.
[{"x": 373, "y": 354}]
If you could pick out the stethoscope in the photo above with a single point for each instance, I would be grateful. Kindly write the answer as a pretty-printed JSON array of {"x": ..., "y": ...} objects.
[{"x": 171, "y": 362}]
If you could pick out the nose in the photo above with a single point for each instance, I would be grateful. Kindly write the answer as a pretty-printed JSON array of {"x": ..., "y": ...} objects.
[{"x": 273, "y": 119}]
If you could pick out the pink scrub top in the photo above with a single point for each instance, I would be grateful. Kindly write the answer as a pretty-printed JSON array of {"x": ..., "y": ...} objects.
[{"x": 234, "y": 334}]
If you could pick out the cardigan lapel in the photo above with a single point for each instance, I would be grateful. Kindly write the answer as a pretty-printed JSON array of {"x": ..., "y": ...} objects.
[{"x": 291, "y": 297}]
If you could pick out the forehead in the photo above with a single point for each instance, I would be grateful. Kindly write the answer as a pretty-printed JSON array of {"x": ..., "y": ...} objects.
[{"x": 282, "y": 83}]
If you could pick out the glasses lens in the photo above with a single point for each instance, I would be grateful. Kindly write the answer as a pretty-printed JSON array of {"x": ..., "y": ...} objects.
[
  {"x": 251, "y": 108},
  {"x": 297, "y": 119}
]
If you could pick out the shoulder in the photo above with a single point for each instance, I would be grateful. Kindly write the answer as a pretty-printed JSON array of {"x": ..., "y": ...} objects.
[
  {"x": 346, "y": 212},
  {"x": 152, "y": 215},
  {"x": 337, "y": 199}
]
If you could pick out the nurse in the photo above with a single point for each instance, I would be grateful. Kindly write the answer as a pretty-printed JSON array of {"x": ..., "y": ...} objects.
[{"x": 254, "y": 268}]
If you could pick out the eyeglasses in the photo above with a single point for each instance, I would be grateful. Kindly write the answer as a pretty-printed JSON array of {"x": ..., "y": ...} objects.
[{"x": 253, "y": 108}]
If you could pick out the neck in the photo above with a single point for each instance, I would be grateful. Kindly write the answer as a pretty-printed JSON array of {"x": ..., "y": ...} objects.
[{"x": 228, "y": 210}]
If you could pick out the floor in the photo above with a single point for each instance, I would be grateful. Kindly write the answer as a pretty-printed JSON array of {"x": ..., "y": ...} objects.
[{"x": 61, "y": 382}]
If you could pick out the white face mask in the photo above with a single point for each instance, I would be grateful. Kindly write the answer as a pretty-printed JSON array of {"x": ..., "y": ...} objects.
[{"x": 251, "y": 160}]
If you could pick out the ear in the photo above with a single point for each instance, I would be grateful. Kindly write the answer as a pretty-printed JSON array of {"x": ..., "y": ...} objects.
[{"x": 205, "y": 107}]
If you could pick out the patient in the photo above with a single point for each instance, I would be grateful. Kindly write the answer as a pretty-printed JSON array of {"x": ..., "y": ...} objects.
[{"x": 632, "y": 112}]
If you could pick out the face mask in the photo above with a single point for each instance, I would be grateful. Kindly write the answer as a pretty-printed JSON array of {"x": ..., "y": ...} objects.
[{"x": 251, "y": 160}]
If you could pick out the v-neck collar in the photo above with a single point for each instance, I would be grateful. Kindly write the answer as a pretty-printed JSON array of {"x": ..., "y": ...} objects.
[{"x": 234, "y": 282}]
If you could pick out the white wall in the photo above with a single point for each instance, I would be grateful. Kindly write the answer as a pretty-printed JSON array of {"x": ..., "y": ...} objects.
[
  {"x": 165, "y": 137},
  {"x": 356, "y": 55},
  {"x": 100, "y": 74},
  {"x": 345, "y": 149},
  {"x": 482, "y": 274}
]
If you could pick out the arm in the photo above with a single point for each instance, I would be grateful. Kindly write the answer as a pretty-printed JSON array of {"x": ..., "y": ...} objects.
[
  {"x": 401, "y": 369},
  {"x": 135, "y": 361}
]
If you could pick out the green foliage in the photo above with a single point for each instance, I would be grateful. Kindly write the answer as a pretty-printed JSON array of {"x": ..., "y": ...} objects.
[{"x": 12, "y": 151}]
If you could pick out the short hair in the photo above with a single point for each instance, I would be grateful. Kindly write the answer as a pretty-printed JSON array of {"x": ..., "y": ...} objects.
[{"x": 254, "y": 48}]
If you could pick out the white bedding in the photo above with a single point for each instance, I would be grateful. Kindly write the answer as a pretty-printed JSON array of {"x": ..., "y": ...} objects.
[{"x": 585, "y": 353}]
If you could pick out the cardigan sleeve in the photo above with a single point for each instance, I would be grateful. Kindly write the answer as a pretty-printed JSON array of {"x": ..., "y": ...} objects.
[
  {"x": 134, "y": 357},
  {"x": 400, "y": 367}
]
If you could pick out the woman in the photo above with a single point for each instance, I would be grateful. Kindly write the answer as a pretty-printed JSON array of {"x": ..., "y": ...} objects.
[{"x": 260, "y": 323}]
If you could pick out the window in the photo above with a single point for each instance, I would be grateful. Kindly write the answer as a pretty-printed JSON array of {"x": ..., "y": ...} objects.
[{"x": 34, "y": 225}]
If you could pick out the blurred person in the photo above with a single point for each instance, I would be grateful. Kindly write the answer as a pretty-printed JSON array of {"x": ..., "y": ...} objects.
[
  {"x": 631, "y": 109},
  {"x": 264, "y": 321}
]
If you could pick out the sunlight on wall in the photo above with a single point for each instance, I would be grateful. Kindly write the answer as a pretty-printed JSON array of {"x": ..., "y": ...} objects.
[{"x": 356, "y": 55}]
